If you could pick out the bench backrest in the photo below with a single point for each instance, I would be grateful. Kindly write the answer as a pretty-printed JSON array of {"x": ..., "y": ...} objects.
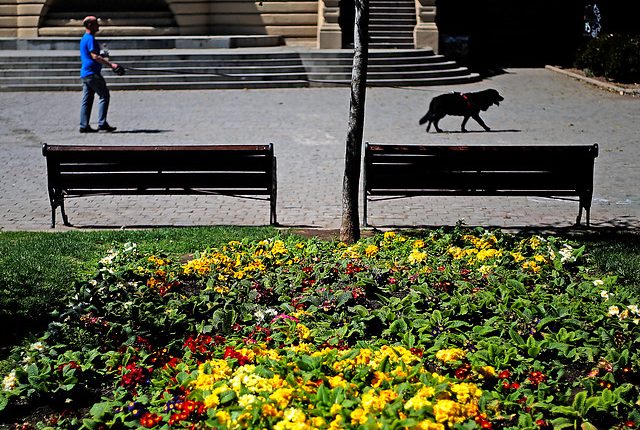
[
  {"x": 422, "y": 169},
  {"x": 213, "y": 168}
]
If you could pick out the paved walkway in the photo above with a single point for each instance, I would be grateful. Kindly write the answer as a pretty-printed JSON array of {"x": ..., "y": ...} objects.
[{"x": 308, "y": 128}]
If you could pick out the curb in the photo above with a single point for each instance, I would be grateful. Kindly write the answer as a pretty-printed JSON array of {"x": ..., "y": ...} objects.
[{"x": 610, "y": 87}]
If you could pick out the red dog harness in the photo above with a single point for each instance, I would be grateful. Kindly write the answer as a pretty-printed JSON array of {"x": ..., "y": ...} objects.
[{"x": 464, "y": 96}]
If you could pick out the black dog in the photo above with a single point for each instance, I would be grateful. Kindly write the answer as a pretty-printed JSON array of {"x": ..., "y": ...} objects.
[{"x": 467, "y": 105}]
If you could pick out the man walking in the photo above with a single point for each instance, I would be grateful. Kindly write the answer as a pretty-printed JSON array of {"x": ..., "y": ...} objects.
[{"x": 92, "y": 80}]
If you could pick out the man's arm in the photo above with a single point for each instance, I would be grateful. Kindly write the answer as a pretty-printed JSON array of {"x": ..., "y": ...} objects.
[{"x": 100, "y": 59}]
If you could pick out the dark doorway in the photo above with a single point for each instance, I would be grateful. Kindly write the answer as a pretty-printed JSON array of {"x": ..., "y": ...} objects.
[
  {"x": 346, "y": 21},
  {"x": 501, "y": 33}
]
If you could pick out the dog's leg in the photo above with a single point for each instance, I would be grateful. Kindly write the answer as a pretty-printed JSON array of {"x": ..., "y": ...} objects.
[
  {"x": 464, "y": 123},
  {"x": 481, "y": 122},
  {"x": 435, "y": 124},
  {"x": 429, "y": 125}
]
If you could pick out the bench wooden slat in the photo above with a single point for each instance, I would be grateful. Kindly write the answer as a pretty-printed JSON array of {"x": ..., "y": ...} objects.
[
  {"x": 203, "y": 165},
  {"x": 240, "y": 170},
  {"x": 502, "y": 181},
  {"x": 152, "y": 180},
  {"x": 421, "y": 170}
]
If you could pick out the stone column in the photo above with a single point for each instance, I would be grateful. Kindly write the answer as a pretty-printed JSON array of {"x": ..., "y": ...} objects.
[
  {"x": 329, "y": 32},
  {"x": 425, "y": 34},
  {"x": 29, "y": 12}
]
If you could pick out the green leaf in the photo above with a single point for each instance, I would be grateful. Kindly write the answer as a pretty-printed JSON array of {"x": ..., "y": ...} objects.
[
  {"x": 580, "y": 403},
  {"x": 99, "y": 410},
  {"x": 227, "y": 396},
  {"x": 398, "y": 326},
  {"x": 3, "y": 402}
]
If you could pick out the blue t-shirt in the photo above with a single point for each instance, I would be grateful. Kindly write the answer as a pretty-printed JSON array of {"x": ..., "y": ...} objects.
[{"x": 89, "y": 44}]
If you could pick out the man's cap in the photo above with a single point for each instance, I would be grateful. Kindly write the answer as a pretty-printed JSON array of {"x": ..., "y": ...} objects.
[{"x": 89, "y": 19}]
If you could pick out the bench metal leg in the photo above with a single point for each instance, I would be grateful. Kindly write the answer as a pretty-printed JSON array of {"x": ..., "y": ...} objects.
[
  {"x": 586, "y": 205},
  {"x": 274, "y": 194}
]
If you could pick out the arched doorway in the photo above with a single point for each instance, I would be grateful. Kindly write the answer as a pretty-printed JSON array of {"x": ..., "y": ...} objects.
[{"x": 117, "y": 17}]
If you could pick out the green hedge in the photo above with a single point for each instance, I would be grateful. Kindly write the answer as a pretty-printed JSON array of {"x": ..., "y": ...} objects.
[{"x": 614, "y": 56}]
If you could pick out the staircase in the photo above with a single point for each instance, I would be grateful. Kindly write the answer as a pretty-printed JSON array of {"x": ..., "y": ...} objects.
[
  {"x": 391, "y": 24},
  {"x": 57, "y": 69}
]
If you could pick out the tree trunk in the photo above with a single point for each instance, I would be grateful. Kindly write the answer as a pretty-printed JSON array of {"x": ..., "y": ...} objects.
[{"x": 350, "y": 229}]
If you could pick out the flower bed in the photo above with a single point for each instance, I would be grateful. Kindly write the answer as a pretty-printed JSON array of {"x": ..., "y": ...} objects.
[{"x": 452, "y": 329}]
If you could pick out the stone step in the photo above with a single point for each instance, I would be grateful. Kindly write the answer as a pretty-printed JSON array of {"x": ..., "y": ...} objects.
[
  {"x": 70, "y": 43},
  {"x": 297, "y": 67},
  {"x": 236, "y": 68},
  {"x": 255, "y": 75}
]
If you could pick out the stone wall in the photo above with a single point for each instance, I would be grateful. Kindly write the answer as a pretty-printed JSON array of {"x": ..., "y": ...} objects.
[{"x": 293, "y": 19}]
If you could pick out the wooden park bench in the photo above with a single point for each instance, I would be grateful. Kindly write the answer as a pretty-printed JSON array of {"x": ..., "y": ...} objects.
[
  {"x": 232, "y": 170},
  {"x": 396, "y": 171}
]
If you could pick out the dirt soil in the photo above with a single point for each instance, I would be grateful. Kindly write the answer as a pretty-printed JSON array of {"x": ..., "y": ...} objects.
[{"x": 634, "y": 86}]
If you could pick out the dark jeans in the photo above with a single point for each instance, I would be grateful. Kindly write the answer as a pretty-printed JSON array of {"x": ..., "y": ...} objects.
[{"x": 92, "y": 85}]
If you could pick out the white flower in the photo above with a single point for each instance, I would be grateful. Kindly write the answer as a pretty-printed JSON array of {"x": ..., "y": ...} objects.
[
  {"x": 634, "y": 309},
  {"x": 130, "y": 246},
  {"x": 598, "y": 282},
  {"x": 38, "y": 346},
  {"x": 613, "y": 310},
  {"x": 604, "y": 294},
  {"x": 9, "y": 381},
  {"x": 566, "y": 254},
  {"x": 259, "y": 314}
]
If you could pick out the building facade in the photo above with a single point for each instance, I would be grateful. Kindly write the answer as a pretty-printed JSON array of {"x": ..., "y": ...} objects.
[{"x": 309, "y": 22}]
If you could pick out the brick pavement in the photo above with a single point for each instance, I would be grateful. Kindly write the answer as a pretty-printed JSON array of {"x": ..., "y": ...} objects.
[{"x": 308, "y": 128}]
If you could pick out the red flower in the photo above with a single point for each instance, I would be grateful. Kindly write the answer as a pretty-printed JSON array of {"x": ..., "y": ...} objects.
[
  {"x": 543, "y": 424},
  {"x": 149, "y": 420},
  {"x": 229, "y": 352},
  {"x": 504, "y": 374},
  {"x": 537, "y": 377}
]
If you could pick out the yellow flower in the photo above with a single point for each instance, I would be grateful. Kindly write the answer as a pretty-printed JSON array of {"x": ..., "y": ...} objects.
[
  {"x": 389, "y": 235},
  {"x": 420, "y": 399},
  {"x": 487, "y": 371},
  {"x": 221, "y": 289},
  {"x": 428, "y": 425},
  {"x": 246, "y": 400},
  {"x": 223, "y": 417},
  {"x": 371, "y": 250},
  {"x": 531, "y": 265},
  {"x": 447, "y": 355},
  {"x": 269, "y": 410},
  {"x": 282, "y": 396},
  {"x": 336, "y": 424},
  {"x": 278, "y": 248},
  {"x": 456, "y": 252},
  {"x": 335, "y": 409},
  {"x": 517, "y": 257},
  {"x": 488, "y": 253},
  {"x": 358, "y": 416},
  {"x": 466, "y": 392},
  {"x": 417, "y": 256},
  {"x": 294, "y": 415},
  {"x": 303, "y": 331},
  {"x": 448, "y": 411},
  {"x": 211, "y": 401},
  {"x": 210, "y": 373},
  {"x": 418, "y": 244},
  {"x": 337, "y": 381}
]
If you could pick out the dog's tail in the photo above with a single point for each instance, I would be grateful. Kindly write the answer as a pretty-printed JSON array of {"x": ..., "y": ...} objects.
[{"x": 425, "y": 118}]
